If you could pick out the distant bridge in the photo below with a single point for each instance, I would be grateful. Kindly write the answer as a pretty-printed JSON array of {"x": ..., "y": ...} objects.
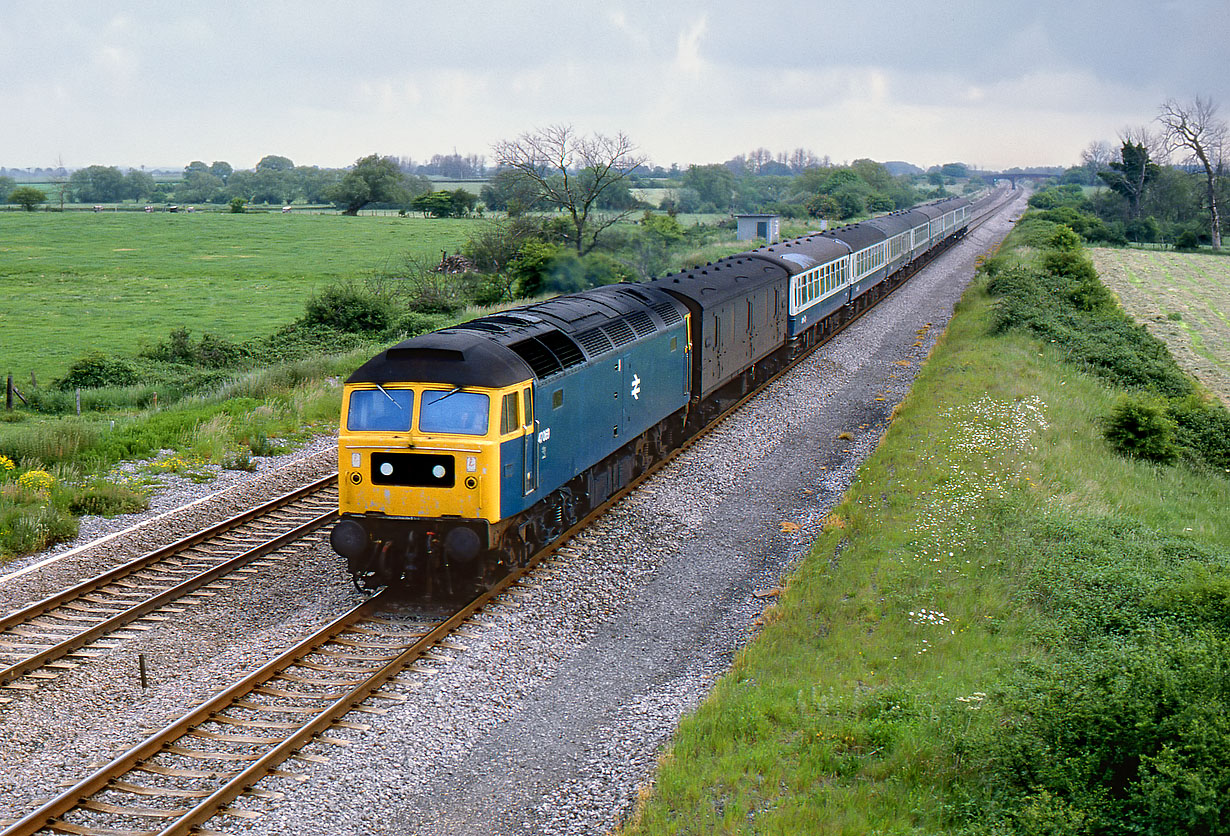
[{"x": 1014, "y": 176}]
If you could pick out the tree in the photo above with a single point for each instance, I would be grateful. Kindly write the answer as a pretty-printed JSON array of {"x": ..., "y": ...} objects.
[
  {"x": 444, "y": 204},
  {"x": 573, "y": 172},
  {"x": 98, "y": 184},
  {"x": 272, "y": 162},
  {"x": 1195, "y": 129},
  {"x": 1097, "y": 156},
  {"x": 139, "y": 185},
  {"x": 7, "y": 184},
  {"x": 715, "y": 184},
  {"x": 1131, "y": 174},
  {"x": 27, "y": 197},
  {"x": 512, "y": 192},
  {"x": 221, "y": 169},
  {"x": 374, "y": 179}
]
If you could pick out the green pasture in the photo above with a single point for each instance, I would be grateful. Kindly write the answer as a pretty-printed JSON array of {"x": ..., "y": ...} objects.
[{"x": 78, "y": 282}]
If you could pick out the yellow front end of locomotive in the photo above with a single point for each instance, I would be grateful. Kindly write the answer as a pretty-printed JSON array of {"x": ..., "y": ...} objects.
[{"x": 423, "y": 450}]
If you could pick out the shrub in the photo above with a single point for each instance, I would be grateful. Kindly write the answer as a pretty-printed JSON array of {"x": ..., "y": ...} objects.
[
  {"x": 210, "y": 351},
  {"x": 1139, "y": 427},
  {"x": 350, "y": 307},
  {"x": 96, "y": 370},
  {"x": 532, "y": 266},
  {"x": 1202, "y": 430},
  {"x": 105, "y": 499},
  {"x": 1188, "y": 240}
]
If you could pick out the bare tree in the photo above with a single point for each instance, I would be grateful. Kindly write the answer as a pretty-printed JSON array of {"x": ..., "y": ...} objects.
[
  {"x": 1194, "y": 129},
  {"x": 1097, "y": 156},
  {"x": 572, "y": 172}
]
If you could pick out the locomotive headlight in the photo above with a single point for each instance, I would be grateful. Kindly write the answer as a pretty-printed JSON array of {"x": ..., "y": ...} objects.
[{"x": 438, "y": 471}]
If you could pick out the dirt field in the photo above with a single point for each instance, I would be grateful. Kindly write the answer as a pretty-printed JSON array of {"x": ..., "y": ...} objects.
[{"x": 1183, "y": 299}]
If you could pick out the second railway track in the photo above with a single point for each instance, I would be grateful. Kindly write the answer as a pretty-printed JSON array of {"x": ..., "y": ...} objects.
[{"x": 41, "y": 640}]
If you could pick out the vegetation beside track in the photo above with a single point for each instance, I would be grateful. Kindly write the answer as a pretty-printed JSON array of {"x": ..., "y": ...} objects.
[{"x": 1007, "y": 627}]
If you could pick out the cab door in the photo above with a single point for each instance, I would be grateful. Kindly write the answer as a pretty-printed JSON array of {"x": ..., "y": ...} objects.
[{"x": 530, "y": 426}]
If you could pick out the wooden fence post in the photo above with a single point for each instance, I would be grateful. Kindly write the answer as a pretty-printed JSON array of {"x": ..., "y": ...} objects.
[{"x": 8, "y": 393}]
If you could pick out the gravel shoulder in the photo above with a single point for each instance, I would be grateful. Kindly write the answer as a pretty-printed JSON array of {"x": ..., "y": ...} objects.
[{"x": 547, "y": 715}]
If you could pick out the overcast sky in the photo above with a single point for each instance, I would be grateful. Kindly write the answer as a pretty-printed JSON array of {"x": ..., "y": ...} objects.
[{"x": 995, "y": 83}]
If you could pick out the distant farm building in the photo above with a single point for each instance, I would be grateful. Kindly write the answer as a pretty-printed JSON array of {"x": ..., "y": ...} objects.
[{"x": 767, "y": 227}]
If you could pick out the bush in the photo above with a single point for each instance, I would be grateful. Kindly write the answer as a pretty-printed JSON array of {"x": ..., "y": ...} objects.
[
  {"x": 1139, "y": 427},
  {"x": 350, "y": 307},
  {"x": 210, "y": 351},
  {"x": 1202, "y": 431},
  {"x": 1188, "y": 240},
  {"x": 105, "y": 499},
  {"x": 96, "y": 370}
]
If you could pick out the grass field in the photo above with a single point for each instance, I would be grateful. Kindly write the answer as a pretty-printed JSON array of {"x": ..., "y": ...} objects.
[
  {"x": 76, "y": 282},
  {"x": 1183, "y": 299}
]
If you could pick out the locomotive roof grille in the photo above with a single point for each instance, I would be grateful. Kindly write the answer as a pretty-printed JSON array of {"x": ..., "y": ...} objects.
[
  {"x": 620, "y": 332},
  {"x": 669, "y": 313},
  {"x": 595, "y": 342},
  {"x": 641, "y": 324},
  {"x": 549, "y": 353}
]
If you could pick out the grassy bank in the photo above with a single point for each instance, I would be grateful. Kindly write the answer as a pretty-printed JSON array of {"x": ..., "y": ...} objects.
[{"x": 1006, "y": 627}]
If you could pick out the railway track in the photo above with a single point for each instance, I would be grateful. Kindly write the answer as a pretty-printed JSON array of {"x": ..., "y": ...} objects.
[
  {"x": 41, "y": 641},
  {"x": 193, "y": 769},
  {"x": 198, "y": 766}
]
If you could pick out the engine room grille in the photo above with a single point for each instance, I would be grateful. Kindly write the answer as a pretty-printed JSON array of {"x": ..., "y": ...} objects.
[
  {"x": 620, "y": 332},
  {"x": 669, "y": 313},
  {"x": 549, "y": 353},
  {"x": 595, "y": 342},
  {"x": 641, "y": 324}
]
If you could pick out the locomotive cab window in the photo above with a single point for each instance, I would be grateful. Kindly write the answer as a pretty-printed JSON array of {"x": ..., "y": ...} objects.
[
  {"x": 380, "y": 410},
  {"x": 454, "y": 411},
  {"x": 510, "y": 414}
]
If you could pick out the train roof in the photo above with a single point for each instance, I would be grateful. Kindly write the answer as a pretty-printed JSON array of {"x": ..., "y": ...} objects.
[
  {"x": 858, "y": 236},
  {"x": 720, "y": 280},
  {"x": 940, "y": 208},
  {"x": 538, "y": 340},
  {"x": 897, "y": 222},
  {"x": 798, "y": 255}
]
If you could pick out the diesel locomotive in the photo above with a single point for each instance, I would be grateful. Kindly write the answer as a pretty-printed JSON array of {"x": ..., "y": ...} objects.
[{"x": 463, "y": 451}]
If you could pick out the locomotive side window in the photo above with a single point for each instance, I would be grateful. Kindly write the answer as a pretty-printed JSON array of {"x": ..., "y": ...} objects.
[
  {"x": 557, "y": 398},
  {"x": 510, "y": 416},
  {"x": 464, "y": 413},
  {"x": 380, "y": 410},
  {"x": 529, "y": 406}
]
